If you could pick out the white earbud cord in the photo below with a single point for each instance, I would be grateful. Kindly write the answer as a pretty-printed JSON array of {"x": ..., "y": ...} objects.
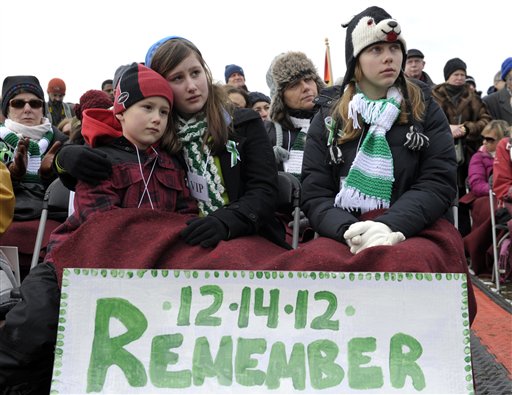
[{"x": 146, "y": 182}]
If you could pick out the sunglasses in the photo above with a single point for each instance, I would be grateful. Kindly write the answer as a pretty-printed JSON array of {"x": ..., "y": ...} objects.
[
  {"x": 489, "y": 139},
  {"x": 19, "y": 103}
]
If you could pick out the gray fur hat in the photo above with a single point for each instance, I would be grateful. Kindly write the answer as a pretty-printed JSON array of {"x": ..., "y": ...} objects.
[{"x": 287, "y": 68}]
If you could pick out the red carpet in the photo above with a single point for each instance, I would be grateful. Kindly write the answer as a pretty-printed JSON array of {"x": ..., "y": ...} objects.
[{"x": 493, "y": 326}]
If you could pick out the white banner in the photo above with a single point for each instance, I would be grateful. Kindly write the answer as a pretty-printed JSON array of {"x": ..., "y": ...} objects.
[{"x": 164, "y": 331}]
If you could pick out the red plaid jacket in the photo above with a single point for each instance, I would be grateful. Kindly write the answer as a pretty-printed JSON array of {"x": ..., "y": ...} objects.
[{"x": 166, "y": 188}]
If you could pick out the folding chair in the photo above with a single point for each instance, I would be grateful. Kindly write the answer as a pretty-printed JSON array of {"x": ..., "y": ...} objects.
[
  {"x": 56, "y": 198},
  {"x": 9, "y": 286},
  {"x": 289, "y": 201},
  {"x": 496, "y": 244},
  {"x": 455, "y": 211}
]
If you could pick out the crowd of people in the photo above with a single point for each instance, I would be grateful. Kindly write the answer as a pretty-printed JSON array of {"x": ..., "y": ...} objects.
[{"x": 382, "y": 158}]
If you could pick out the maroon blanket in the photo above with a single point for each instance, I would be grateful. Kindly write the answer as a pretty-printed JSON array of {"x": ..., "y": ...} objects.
[
  {"x": 140, "y": 238},
  {"x": 23, "y": 234}
]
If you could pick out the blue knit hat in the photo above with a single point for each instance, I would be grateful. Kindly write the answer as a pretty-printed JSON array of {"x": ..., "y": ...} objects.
[
  {"x": 506, "y": 66},
  {"x": 232, "y": 68},
  {"x": 155, "y": 46}
]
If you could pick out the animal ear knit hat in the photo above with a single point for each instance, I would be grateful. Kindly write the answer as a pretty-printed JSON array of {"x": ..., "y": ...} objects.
[
  {"x": 137, "y": 83},
  {"x": 371, "y": 26},
  {"x": 288, "y": 68}
]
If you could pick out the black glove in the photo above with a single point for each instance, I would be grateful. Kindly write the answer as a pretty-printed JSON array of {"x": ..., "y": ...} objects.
[
  {"x": 83, "y": 163},
  {"x": 207, "y": 231}
]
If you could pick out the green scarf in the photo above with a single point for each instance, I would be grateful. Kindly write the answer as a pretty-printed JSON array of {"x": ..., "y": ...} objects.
[
  {"x": 41, "y": 136},
  {"x": 370, "y": 179},
  {"x": 200, "y": 160}
]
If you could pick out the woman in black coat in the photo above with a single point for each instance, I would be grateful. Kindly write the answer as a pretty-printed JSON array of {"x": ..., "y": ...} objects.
[
  {"x": 385, "y": 144},
  {"x": 231, "y": 167}
]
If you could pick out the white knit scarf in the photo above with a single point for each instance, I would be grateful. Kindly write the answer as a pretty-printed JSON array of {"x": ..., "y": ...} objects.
[{"x": 369, "y": 182}]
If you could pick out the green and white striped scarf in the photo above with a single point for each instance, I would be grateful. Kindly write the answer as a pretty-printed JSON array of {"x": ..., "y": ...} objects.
[
  {"x": 40, "y": 136},
  {"x": 200, "y": 160},
  {"x": 370, "y": 179}
]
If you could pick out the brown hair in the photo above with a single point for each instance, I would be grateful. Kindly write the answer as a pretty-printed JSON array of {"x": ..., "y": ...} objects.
[
  {"x": 166, "y": 58},
  {"x": 412, "y": 104}
]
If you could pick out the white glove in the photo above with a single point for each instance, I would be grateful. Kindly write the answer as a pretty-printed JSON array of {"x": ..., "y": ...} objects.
[{"x": 364, "y": 234}]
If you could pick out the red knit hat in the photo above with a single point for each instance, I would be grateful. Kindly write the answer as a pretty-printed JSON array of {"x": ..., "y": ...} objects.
[
  {"x": 137, "y": 83},
  {"x": 56, "y": 85},
  {"x": 92, "y": 99}
]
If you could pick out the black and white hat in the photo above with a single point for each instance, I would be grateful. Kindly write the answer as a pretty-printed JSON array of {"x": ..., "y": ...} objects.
[{"x": 369, "y": 27}]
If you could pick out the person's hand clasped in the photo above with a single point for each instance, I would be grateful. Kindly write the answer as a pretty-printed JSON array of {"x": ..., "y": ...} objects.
[
  {"x": 46, "y": 171},
  {"x": 364, "y": 234},
  {"x": 18, "y": 167},
  {"x": 207, "y": 231},
  {"x": 458, "y": 131}
]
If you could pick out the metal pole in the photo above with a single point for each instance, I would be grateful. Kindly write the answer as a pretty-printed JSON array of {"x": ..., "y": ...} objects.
[{"x": 494, "y": 242}]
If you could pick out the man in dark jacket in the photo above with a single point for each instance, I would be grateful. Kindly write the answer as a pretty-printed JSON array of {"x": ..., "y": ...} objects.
[
  {"x": 499, "y": 103},
  {"x": 414, "y": 66}
]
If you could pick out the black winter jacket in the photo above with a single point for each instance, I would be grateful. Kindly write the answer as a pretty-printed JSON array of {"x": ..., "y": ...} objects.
[
  {"x": 251, "y": 184},
  {"x": 27, "y": 340},
  {"x": 425, "y": 181}
]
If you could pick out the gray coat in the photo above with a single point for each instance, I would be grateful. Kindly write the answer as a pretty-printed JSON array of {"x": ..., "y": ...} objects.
[{"x": 498, "y": 105}]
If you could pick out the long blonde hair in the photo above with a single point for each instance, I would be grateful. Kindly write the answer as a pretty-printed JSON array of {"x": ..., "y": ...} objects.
[{"x": 412, "y": 104}]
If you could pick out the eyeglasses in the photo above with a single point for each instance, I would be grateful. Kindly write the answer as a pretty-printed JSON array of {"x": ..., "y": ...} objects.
[
  {"x": 489, "y": 139},
  {"x": 19, "y": 103}
]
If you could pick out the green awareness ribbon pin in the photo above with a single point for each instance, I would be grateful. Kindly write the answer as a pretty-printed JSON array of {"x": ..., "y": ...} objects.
[{"x": 235, "y": 155}]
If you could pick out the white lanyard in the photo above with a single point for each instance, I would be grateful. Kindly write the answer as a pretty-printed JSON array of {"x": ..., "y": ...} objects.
[{"x": 146, "y": 182}]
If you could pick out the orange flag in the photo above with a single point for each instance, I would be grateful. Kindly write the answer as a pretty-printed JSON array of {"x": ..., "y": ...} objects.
[{"x": 327, "y": 65}]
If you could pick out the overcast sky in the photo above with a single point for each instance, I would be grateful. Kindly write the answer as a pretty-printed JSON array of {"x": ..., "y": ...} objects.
[{"x": 83, "y": 42}]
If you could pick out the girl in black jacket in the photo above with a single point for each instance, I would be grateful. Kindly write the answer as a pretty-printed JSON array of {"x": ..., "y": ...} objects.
[{"x": 385, "y": 144}]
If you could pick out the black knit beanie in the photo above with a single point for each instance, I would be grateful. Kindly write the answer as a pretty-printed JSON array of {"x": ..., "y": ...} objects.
[
  {"x": 16, "y": 84},
  {"x": 452, "y": 66}
]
